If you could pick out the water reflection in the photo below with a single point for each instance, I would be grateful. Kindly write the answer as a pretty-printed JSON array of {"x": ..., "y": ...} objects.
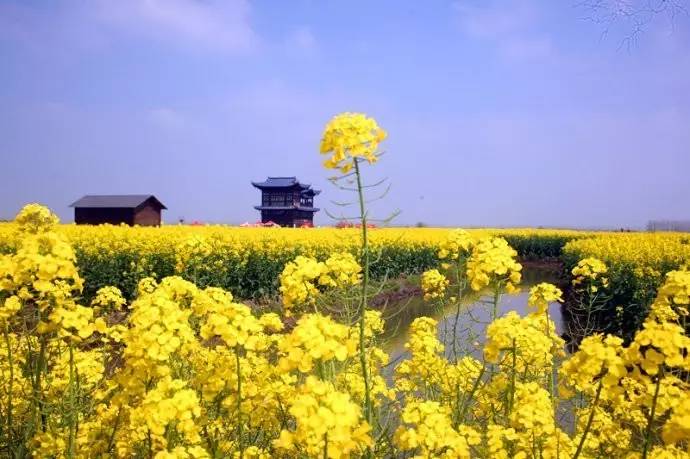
[{"x": 463, "y": 329}]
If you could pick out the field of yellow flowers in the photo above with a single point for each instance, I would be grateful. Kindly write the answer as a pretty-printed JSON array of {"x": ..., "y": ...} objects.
[
  {"x": 247, "y": 261},
  {"x": 638, "y": 264},
  {"x": 130, "y": 342},
  {"x": 187, "y": 372}
]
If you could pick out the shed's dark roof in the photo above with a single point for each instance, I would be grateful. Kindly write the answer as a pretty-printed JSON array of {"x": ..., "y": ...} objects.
[
  {"x": 116, "y": 201},
  {"x": 311, "y": 192},
  {"x": 281, "y": 182}
]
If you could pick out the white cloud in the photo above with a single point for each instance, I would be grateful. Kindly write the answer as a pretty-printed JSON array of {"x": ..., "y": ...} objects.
[
  {"x": 214, "y": 25},
  {"x": 301, "y": 41},
  {"x": 527, "y": 48},
  {"x": 198, "y": 25},
  {"x": 508, "y": 25},
  {"x": 494, "y": 21},
  {"x": 166, "y": 118}
]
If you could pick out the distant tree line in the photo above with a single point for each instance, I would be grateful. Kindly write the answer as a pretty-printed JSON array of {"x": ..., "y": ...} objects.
[{"x": 669, "y": 225}]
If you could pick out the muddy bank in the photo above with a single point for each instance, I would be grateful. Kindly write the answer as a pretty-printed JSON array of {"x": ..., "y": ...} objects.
[{"x": 551, "y": 265}]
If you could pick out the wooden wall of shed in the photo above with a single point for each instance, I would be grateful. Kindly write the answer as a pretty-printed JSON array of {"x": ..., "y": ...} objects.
[
  {"x": 148, "y": 215},
  {"x": 97, "y": 216}
]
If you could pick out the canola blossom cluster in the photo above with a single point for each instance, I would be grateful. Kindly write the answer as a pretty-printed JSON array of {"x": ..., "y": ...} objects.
[
  {"x": 456, "y": 246},
  {"x": 492, "y": 264},
  {"x": 591, "y": 271},
  {"x": 303, "y": 279},
  {"x": 183, "y": 371},
  {"x": 349, "y": 137},
  {"x": 434, "y": 284},
  {"x": 542, "y": 294},
  {"x": 481, "y": 261}
]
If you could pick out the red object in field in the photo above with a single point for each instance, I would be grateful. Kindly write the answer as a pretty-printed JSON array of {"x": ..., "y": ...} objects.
[
  {"x": 259, "y": 225},
  {"x": 347, "y": 224}
]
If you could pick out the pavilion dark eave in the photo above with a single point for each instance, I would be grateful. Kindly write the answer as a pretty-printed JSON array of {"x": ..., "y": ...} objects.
[
  {"x": 281, "y": 182},
  {"x": 306, "y": 209}
]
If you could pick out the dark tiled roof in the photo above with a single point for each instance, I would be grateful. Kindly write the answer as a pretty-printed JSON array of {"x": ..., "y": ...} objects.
[
  {"x": 117, "y": 201},
  {"x": 308, "y": 209},
  {"x": 280, "y": 182}
]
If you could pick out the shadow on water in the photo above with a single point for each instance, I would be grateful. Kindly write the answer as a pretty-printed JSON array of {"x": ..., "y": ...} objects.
[{"x": 462, "y": 329}]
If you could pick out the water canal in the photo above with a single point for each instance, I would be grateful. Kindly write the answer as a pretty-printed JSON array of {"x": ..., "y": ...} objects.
[{"x": 462, "y": 329}]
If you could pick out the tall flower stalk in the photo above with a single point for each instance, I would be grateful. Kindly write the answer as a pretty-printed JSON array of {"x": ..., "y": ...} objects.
[
  {"x": 363, "y": 297},
  {"x": 350, "y": 139},
  {"x": 10, "y": 384}
]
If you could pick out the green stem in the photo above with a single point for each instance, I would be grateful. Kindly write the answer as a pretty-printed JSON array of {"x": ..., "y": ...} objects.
[
  {"x": 455, "y": 331},
  {"x": 10, "y": 362},
  {"x": 589, "y": 420},
  {"x": 111, "y": 440},
  {"x": 511, "y": 398},
  {"x": 497, "y": 296},
  {"x": 466, "y": 402},
  {"x": 552, "y": 373},
  {"x": 650, "y": 423},
  {"x": 38, "y": 389},
  {"x": 72, "y": 404},
  {"x": 457, "y": 312},
  {"x": 553, "y": 384},
  {"x": 458, "y": 403},
  {"x": 494, "y": 314},
  {"x": 590, "y": 305},
  {"x": 240, "y": 427},
  {"x": 363, "y": 298}
]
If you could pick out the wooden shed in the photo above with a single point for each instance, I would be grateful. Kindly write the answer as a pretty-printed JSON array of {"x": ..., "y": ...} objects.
[{"x": 130, "y": 209}]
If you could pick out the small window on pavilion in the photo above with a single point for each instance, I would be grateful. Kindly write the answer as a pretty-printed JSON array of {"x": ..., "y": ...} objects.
[{"x": 277, "y": 199}]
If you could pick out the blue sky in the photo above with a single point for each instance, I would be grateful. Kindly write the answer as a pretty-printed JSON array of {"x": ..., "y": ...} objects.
[{"x": 499, "y": 113}]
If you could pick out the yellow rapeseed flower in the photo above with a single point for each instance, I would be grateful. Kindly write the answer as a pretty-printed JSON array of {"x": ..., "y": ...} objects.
[
  {"x": 434, "y": 284},
  {"x": 348, "y": 137}
]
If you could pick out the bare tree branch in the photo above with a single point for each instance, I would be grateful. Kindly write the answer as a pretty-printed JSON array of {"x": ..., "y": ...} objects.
[{"x": 632, "y": 16}]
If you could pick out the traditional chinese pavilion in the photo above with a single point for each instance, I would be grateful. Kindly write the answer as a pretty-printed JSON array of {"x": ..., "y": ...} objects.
[{"x": 286, "y": 201}]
